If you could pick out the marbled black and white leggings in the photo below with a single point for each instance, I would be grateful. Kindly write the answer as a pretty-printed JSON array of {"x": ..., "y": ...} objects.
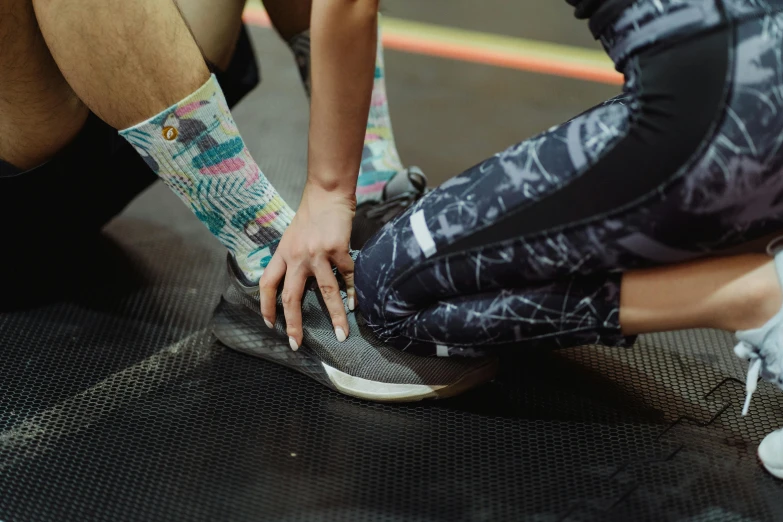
[{"x": 530, "y": 245}]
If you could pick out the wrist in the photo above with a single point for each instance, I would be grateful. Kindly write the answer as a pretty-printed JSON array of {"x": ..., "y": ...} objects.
[
  {"x": 318, "y": 189},
  {"x": 332, "y": 185}
]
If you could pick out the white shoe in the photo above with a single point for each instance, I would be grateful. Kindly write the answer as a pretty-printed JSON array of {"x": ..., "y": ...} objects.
[
  {"x": 763, "y": 347},
  {"x": 771, "y": 453}
]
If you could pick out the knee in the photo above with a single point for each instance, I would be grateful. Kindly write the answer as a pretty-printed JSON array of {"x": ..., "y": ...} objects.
[
  {"x": 386, "y": 304},
  {"x": 387, "y": 293},
  {"x": 373, "y": 280},
  {"x": 368, "y": 290}
]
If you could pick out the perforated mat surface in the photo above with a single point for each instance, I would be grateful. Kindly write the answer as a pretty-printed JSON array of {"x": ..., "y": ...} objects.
[{"x": 119, "y": 405}]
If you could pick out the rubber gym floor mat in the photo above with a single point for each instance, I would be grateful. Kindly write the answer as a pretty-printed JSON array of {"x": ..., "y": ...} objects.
[{"x": 712, "y": 472}]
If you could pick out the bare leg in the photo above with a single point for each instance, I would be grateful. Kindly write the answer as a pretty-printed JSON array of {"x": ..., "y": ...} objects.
[
  {"x": 380, "y": 159},
  {"x": 215, "y": 26},
  {"x": 728, "y": 293},
  {"x": 39, "y": 112},
  {"x": 289, "y": 17},
  {"x": 126, "y": 60}
]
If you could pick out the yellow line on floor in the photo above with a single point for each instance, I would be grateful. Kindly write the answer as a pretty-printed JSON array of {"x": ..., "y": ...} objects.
[{"x": 485, "y": 48}]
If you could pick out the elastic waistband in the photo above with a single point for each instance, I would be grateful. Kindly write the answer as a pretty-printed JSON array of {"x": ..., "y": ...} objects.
[{"x": 648, "y": 22}]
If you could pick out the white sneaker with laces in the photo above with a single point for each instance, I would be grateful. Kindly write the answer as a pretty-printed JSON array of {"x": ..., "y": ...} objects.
[{"x": 763, "y": 347}]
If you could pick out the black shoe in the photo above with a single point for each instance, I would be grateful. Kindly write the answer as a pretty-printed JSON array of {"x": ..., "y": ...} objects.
[{"x": 403, "y": 190}]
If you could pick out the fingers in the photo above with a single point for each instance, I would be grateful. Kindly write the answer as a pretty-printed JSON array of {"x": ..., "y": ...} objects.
[
  {"x": 293, "y": 288},
  {"x": 330, "y": 290},
  {"x": 344, "y": 264},
  {"x": 267, "y": 289}
]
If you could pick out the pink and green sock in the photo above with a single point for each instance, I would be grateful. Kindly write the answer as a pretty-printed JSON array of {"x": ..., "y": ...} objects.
[
  {"x": 195, "y": 148},
  {"x": 380, "y": 160}
]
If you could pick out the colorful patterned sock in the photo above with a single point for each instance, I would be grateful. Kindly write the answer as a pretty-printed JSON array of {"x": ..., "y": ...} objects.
[
  {"x": 380, "y": 160},
  {"x": 195, "y": 148}
]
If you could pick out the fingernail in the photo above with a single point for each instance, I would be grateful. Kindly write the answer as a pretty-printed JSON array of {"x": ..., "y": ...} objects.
[
  {"x": 340, "y": 333},
  {"x": 268, "y": 324},
  {"x": 292, "y": 343},
  {"x": 351, "y": 304}
]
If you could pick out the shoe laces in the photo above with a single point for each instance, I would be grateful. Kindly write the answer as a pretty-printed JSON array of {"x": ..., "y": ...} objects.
[{"x": 744, "y": 350}]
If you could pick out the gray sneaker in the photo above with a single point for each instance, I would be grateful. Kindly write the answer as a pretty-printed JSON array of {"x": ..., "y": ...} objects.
[{"x": 361, "y": 366}]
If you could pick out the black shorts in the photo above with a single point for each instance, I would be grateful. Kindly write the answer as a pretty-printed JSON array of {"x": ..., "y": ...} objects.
[{"x": 72, "y": 196}]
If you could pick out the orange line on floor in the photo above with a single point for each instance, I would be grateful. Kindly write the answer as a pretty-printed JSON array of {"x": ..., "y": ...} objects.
[
  {"x": 517, "y": 61},
  {"x": 256, "y": 16},
  {"x": 564, "y": 64}
]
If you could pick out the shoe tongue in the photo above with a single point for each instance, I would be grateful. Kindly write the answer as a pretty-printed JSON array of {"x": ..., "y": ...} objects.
[
  {"x": 406, "y": 180},
  {"x": 757, "y": 336}
]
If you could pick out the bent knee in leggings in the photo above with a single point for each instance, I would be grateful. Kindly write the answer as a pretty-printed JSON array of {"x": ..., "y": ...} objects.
[{"x": 524, "y": 247}]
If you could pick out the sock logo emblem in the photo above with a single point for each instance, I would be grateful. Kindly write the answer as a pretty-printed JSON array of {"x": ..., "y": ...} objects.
[{"x": 170, "y": 133}]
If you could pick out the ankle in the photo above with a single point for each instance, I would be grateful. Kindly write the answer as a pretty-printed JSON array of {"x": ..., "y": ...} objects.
[{"x": 751, "y": 300}]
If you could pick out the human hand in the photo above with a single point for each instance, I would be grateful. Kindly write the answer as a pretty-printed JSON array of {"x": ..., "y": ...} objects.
[{"x": 318, "y": 237}]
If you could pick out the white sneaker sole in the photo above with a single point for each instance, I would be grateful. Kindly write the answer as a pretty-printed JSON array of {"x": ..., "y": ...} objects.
[
  {"x": 770, "y": 455},
  {"x": 389, "y": 392}
]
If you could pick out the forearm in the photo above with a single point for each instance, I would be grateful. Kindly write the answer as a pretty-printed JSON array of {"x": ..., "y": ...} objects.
[{"x": 343, "y": 34}]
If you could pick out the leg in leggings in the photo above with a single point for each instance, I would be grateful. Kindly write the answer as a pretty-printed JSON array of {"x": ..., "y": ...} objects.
[{"x": 531, "y": 244}]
